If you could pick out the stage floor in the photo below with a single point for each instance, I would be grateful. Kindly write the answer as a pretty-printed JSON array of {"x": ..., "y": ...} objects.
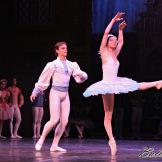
[{"x": 22, "y": 150}]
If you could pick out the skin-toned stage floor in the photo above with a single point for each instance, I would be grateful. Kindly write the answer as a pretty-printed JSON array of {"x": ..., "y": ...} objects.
[{"x": 22, "y": 150}]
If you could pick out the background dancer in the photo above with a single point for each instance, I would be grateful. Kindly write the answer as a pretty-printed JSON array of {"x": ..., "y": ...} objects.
[
  {"x": 38, "y": 111},
  {"x": 16, "y": 101},
  {"x": 5, "y": 111}
]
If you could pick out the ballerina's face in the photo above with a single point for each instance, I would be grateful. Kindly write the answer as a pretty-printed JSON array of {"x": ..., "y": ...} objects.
[{"x": 112, "y": 42}]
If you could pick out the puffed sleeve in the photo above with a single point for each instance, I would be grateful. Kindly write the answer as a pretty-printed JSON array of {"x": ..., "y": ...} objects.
[
  {"x": 79, "y": 75},
  {"x": 44, "y": 78}
]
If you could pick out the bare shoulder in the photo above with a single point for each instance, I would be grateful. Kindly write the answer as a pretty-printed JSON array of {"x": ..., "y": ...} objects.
[{"x": 102, "y": 50}]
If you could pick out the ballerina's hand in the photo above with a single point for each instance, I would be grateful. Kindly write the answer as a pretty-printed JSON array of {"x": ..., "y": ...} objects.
[
  {"x": 122, "y": 25},
  {"x": 118, "y": 16}
]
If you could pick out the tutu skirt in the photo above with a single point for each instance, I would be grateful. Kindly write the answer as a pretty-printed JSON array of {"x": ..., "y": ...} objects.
[{"x": 117, "y": 86}]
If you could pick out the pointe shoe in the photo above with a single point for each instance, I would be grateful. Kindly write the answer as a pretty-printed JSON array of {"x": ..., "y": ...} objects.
[
  {"x": 38, "y": 147},
  {"x": 158, "y": 85},
  {"x": 57, "y": 149},
  {"x": 113, "y": 148}
]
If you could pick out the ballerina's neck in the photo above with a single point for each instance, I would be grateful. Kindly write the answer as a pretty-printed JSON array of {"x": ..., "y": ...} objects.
[
  {"x": 112, "y": 50},
  {"x": 112, "y": 54}
]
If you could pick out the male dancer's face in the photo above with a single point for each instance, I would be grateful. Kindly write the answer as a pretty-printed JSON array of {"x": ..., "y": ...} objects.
[
  {"x": 62, "y": 50},
  {"x": 3, "y": 85},
  {"x": 14, "y": 81}
]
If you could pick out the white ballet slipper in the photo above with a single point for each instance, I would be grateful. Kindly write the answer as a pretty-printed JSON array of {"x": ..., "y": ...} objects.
[
  {"x": 57, "y": 149},
  {"x": 38, "y": 147},
  {"x": 113, "y": 147}
]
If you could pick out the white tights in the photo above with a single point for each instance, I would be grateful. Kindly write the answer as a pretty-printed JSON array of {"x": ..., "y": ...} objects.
[{"x": 59, "y": 113}]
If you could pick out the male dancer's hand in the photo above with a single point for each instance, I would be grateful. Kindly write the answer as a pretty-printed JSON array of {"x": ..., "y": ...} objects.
[
  {"x": 32, "y": 97},
  {"x": 82, "y": 75}
]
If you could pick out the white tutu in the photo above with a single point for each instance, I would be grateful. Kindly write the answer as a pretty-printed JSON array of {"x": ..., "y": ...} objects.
[{"x": 119, "y": 85}]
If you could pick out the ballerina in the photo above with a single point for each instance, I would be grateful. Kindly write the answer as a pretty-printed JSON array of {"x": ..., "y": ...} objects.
[{"x": 112, "y": 84}]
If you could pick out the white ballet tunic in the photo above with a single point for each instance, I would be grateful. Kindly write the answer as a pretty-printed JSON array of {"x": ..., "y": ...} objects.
[
  {"x": 59, "y": 74},
  {"x": 111, "y": 83}
]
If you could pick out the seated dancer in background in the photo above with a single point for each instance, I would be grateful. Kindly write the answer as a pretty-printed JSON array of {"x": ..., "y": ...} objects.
[
  {"x": 60, "y": 70},
  {"x": 112, "y": 84}
]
